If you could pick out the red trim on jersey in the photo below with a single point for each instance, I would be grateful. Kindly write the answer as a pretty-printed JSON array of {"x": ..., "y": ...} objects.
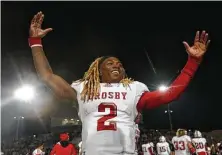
[
  {"x": 150, "y": 151},
  {"x": 154, "y": 99}
]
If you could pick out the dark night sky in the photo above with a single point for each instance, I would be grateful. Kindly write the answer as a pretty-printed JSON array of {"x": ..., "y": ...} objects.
[{"x": 85, "y": 30}]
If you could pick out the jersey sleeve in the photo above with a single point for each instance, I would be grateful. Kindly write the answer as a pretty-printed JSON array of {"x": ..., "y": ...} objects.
[
  {"x": 140, "y": 89},
  {"x": 77, "y": 86}
]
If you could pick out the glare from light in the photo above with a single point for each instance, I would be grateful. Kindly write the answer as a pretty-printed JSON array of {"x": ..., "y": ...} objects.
[
  {"x": 14, "y": 117},
  {"x": 165, "y": 111},
  {"x": 25, "y": 93},
  {"x": 72, "y": 119},
  {"x": 77, "y": 120},
  {"x": 163, "y": 88},
  {"x": 22, "y": 117}
]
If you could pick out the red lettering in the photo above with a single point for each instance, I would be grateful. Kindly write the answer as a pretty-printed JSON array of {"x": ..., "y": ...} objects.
[
  {"x": 104, "y": 95},
  {"x": 124, "y": 95},
  {"x": 117, "y": 95},
  {"x": 110, "y": 96}
]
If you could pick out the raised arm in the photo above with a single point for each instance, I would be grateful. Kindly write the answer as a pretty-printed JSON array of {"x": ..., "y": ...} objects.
[
  {"x": 59, "y": 86},
  {"x": 154, "y": 99}
]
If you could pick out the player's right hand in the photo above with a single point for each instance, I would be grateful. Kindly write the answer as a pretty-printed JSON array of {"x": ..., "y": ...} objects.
[{"x": 35, "y": 27}]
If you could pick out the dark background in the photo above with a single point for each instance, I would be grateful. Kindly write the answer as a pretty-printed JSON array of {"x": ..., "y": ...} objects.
[{"x": 84, "y": 31}]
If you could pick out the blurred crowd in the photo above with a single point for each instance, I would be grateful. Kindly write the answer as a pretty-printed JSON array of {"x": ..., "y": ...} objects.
[{"x": 26, "y": 145}]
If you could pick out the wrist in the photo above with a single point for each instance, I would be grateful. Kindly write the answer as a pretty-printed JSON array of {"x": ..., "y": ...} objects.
[
  {"x": 191, "y": 65},
  {"x": 195, "y": 60},
  {"x": 35, "y": 42}
]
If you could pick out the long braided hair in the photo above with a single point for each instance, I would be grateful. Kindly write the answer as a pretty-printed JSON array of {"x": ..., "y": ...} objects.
[{"x": 91, "y": 80}]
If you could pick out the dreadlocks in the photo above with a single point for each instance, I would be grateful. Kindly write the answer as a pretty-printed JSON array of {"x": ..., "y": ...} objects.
[{"x": 91, "y": 80}]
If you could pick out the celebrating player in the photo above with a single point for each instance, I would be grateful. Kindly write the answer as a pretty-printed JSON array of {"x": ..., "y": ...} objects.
[{"x": 109, "y": 101}]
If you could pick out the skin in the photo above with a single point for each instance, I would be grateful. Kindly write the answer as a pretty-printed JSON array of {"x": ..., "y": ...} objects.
[
  {"x": 106, "y": 70},
  {"x": 63, "y": 90}
]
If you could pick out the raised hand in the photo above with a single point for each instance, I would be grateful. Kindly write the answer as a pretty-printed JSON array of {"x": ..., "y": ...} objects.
[
  {"x": 35, "y": 27},
  {"x": 200, "y": 46}
]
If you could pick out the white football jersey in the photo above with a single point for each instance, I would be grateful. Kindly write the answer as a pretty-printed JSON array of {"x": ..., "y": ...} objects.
[
  {"x": 163, "y": 148},
  {"x": 147, "y": 148},
  {"x": 181, "y": 145},
  {"x": 200, "y": 144},
  {"x": 38, "y": 152},
  {"x": 108, "y": 125}
]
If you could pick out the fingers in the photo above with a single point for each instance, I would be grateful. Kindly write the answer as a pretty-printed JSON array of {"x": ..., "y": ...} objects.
[
  {"x": 186, "y": 45},
  {"x": 197, "y": 37},
  {"x": 202, "y": 36},
  {"x": 47, "y": 30},
  {"x": 41, "y": 19},
  {"x": 205, "y": 38},
  {"x": 208, "y": 42},
  {"x": 37, "y": 20}
]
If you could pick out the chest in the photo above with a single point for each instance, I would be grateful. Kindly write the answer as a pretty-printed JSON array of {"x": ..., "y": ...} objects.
[{"x": 113, "y": 97}]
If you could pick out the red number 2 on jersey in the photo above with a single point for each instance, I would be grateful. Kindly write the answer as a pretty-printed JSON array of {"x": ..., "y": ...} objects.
[{"x": 113, "y": 113}]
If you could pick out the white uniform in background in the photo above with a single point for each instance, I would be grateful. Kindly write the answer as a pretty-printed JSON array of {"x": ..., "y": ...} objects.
[
  {"x": 148, "y": 149},
  {"x": 181, "y": 145},
  {"x": 199, "y": 143},
  {"x": 38, "y": 152},
  {"x": 162, "y": 146}
]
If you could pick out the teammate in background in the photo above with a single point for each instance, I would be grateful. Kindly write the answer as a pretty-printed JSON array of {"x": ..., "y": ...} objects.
[
  {"x": 182, "y": 143},
  {"x": 107, "y": 100},
  {"x": 39, "y": 150},
  {"x": 137, "y": 132},
  {"x": 162, "y": 146},
  {"x": 200, "y": 143},
  {"x": 147, "y": 148}
]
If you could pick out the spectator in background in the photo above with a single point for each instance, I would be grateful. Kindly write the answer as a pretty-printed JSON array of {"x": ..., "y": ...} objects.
[{"x": 64, "y": 147}]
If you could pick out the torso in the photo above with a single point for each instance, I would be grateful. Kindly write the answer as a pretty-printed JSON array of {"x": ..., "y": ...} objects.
[{"x": 108, "y": 121}]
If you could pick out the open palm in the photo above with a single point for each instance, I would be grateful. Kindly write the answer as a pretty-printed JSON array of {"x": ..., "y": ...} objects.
[
  {"x": 200, "y": 46},
  {"x": 36, "y": 24}
]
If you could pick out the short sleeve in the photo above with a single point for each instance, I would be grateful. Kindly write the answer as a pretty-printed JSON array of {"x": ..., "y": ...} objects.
[
  {"x": 77, "y": 86},
  {"x": 140, "y": 89}
]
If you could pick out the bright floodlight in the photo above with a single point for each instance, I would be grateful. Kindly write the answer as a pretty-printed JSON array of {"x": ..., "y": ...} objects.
[
  {"x": 25, "y": 93},
  {"x": 162, "y": 88}
]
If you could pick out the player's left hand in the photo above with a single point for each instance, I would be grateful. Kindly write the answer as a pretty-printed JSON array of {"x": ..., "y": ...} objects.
[{"x": 200, "y": 46}]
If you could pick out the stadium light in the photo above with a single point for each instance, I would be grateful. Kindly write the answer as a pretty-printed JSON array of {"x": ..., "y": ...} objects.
[
  {"x": 162, "y": 88},
  {"x": 25, "y": 93}
]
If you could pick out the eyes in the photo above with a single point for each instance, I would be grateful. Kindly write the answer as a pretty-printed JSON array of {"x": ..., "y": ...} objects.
[{"x": 110, "y": 63}]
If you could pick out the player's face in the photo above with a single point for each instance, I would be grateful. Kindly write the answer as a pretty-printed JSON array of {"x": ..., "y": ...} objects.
[{"x": 111, "y": 70}]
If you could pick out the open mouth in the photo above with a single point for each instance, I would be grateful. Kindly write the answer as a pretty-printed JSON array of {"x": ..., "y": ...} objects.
[{"x": 115, "y": 72}]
